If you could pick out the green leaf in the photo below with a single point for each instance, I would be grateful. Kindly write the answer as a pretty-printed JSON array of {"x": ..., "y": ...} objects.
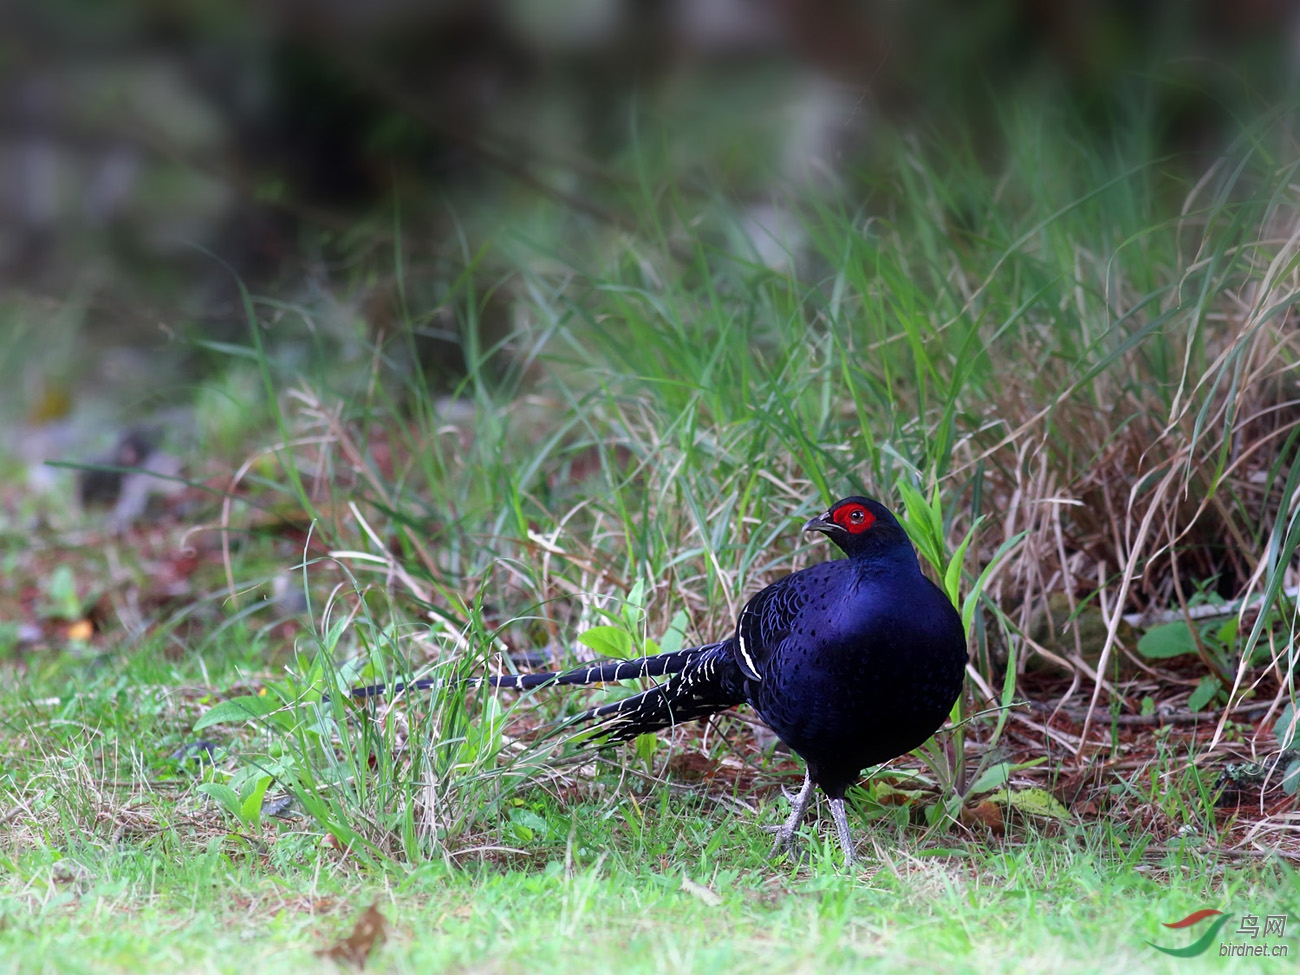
[
  {"x": 1291, "y": 778},
  {"x": 1226, "y": 633},
  {"x": 1203, "y": 694},
  {"x": 972, "y": 597},
  {"x": 609, "y": 641},
  {"x": 997, "y": 775},
  {"x": 919, "y": 523},
  {"x": 224, "y": 794},
  {"x": 61, "y": 593},
  {"x": 991, "y": 778},
  {"x": 675, "y": 636},
  {"x": 528, "y": 824},
  {"x": 637, "y": 596},
  {"x": 237, "y": 710},
  {"x": 250, "y": 810},
  {"x": 1285, "y": 728},
  {"x": 1032, "y": 802},
  {"x": 483, "y": 736},
  {"x": 1167, "y": 640},
  {"x": 633, "y": 612},
  {"x": 952, "y": 577},
  {"x": 645, "y": 746}
]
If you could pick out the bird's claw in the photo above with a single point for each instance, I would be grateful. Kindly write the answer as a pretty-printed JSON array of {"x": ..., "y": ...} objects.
[{"x": 785, "y": 843}]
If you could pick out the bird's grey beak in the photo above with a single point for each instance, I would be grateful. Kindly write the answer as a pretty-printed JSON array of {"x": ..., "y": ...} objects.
[{"x": 822, "y": 523}]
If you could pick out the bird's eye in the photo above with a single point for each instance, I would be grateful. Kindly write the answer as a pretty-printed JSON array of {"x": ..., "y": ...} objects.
[{"x": 854, "y": 518}]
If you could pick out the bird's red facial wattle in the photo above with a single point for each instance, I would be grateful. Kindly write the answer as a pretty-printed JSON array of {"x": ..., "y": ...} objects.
[{"x": 853, "y": 518}]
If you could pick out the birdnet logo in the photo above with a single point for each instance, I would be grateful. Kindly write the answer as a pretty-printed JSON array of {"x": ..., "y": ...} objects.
[{"x": 1252, "y": 927}]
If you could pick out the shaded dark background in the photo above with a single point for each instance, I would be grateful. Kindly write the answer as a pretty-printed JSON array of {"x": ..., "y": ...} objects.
[{"x": 150, "y": 149}]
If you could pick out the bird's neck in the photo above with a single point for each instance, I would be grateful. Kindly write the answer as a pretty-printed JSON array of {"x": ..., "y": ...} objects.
[{"x": 889, "y": 560}]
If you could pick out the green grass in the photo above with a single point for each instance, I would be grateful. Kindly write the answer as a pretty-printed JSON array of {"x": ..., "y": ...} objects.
[
  {"x": 113, "y": 862},
  {"x": 1084, "y": 358},
  {"x": 606, "y": 892}
]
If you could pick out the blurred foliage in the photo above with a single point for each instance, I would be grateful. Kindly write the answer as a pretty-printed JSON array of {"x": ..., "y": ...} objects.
[{"x": 361, "y": 159}]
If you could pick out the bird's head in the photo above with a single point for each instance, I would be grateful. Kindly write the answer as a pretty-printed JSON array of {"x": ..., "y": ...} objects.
[{"x": 859, "y": 526}]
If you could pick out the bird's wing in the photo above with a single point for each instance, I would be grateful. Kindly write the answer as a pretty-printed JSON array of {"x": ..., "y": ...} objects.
[{"x": 766, "y": 621}]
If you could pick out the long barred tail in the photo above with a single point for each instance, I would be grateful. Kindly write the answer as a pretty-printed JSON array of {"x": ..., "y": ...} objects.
[
  {"x": 705, "y": 680},
  {"x": 709, "y": 682},
  {"x": 656, "y": 666}
]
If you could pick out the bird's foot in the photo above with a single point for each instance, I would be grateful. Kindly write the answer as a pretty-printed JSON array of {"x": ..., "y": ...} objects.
[
  {"x": 846, "y": 835},
  {"x": 784, "y": 836},
  {"x": 786, "y": 842}
]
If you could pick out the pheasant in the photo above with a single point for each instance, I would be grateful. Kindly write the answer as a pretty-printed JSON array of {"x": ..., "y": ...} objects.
[{"x": 851, "y": 663}]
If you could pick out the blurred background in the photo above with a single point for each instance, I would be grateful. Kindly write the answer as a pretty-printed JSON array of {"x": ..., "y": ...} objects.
[{"x": 354, "y": 158}]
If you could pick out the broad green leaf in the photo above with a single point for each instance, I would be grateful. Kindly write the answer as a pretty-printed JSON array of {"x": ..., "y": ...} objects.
[
  {"x": 1291, "y": 778},
  {"x": 237, "y": 710},
  {"x": 645, "y": 746},
  {"x": 1285, "y": 728},
  {"x": 675, "y": 636},
  {"x": 1203, "y": 694},
  {"x": 224, "y": 794},
  {"x": 609, "y": 641},
  {"x": 632, "y": 606},
  {"x": 1167, "y": 640},
  {"x": 637, "y": 596},
  {"x": 996, "y": 775},
  {"x": 1032, "y": 802},
  {"x": 1226, "y": 633},
  {"x": 528, "y": 824},
  {"x": 250, "y": 811},
  {"x": 991, "y": 778}
]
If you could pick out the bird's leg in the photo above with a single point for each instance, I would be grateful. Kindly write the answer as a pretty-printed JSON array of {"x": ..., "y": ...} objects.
[
  {"x": 799, "y": 804},
  {"x": 842, "y": 827}
]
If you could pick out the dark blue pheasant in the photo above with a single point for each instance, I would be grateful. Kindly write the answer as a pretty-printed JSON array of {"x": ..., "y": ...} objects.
[{"x": 851, "y": 662}]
